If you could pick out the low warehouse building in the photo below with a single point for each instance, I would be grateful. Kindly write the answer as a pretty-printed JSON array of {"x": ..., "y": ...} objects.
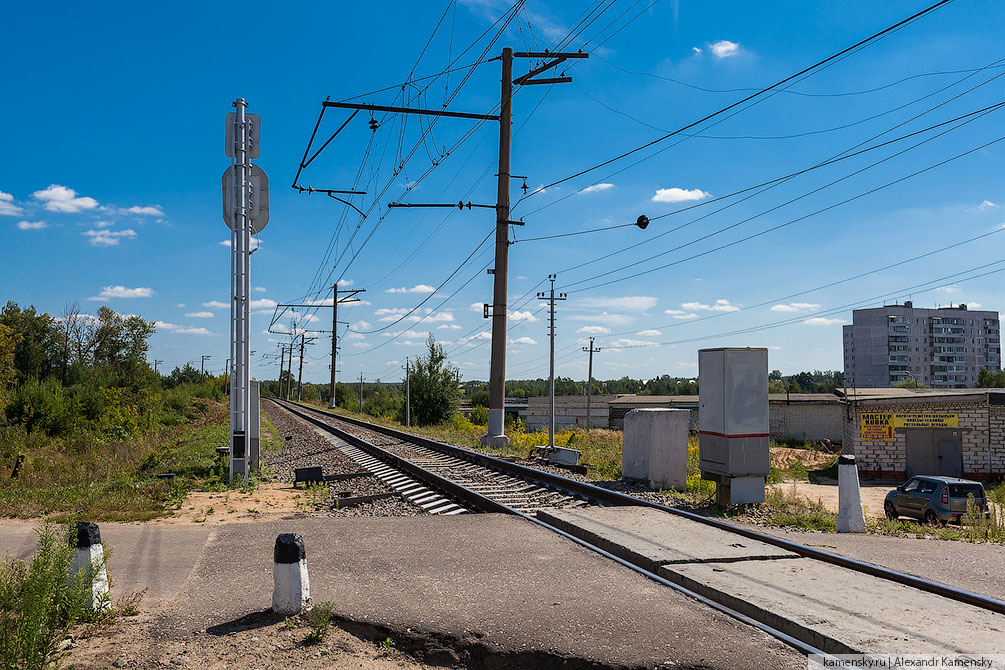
[{"x": 952, "y": 433}]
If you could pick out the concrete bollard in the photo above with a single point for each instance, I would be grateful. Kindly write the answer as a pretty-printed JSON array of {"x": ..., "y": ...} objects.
[
  {"x": 851, "y": 518},
  {"x": 655, "y": 447},
  {"x": 90, "y": 557},
  {"x": 291, "y": 591}
]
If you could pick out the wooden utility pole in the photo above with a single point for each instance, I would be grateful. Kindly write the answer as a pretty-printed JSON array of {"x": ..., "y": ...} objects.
[
  {"x": 551, "y": 298},
  {"x": 589, "y": 383}
]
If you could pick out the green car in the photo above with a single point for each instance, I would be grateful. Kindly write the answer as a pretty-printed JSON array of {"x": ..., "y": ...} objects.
[{"x": 935, "y": 499}]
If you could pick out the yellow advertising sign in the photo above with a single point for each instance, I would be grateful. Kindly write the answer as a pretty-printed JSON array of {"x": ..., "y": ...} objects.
[
  {"x": 880, "y": 425},
  {"x": 877, "y": 426}
]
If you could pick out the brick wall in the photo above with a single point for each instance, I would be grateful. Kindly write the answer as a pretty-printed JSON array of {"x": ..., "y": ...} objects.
[
  {"x": 570, "y": 411},
  {"x": 807, "y": 422},
  {"x": 888, "y": 458}
]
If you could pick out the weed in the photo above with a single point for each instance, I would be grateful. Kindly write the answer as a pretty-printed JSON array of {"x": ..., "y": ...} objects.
[
  {"x": 209, "y": 510},
  {"x": 387, "y": 646},
  {"x": 288, "y": 624},
  {"x": 38, "y": 604},
  {"x": 319, "y": 618},
  {"x": 788, "y": 508}
]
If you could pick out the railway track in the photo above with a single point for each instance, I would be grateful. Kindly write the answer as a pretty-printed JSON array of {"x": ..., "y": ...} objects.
[{"x": 477, "y": 482}]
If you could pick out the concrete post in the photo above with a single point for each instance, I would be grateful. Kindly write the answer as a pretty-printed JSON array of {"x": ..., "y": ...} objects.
[
  {"x": 291, "y": 591},
  {"x": 851, "y": 518},
  {"x": 655, "y": 447},
  {"x": 90, "y": 558}
]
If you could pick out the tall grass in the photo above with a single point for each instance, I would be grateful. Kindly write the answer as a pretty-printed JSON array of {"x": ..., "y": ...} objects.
[{"x": 38, "y": 603}]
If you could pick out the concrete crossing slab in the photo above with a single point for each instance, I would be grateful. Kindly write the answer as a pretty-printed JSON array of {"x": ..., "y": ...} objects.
[{"x": 650, "y": 538}]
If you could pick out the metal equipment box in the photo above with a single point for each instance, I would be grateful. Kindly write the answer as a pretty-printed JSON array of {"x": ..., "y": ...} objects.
[{"x": 733, "y": 418}]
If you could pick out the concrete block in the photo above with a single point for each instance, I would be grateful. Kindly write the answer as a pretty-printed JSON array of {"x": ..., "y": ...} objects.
[
  {"x": 851, "y": 517},
  {"x": 655, "y": 447},
  {"x": 89, "y": 559},
  {"x": 291, "y": 589}
]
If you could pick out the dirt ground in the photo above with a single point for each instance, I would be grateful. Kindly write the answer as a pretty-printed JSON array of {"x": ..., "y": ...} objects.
[
  {"x": 261, "y": 642},
  {"x": 872, "y": 495},
  {"x": 267, "y": 502}
]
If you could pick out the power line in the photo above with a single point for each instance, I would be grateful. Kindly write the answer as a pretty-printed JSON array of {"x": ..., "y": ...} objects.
[{"x": 819, "y": 64}]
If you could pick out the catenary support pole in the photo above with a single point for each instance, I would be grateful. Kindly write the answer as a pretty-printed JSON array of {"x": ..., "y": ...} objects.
[
  {"x": 408, "y": 395},
  {"x": 300, "y": 373},
  {"x": 331, "y": 383},
  {"x": 589, "y": 384},
  {"x": 360, "y": 392},
  {"x": 497, "y": 370},
  {"x": 551, "y": 298}
]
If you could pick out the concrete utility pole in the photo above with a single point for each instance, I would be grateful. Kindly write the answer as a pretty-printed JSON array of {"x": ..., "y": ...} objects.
[
  {"x": 202, "y": 366},
  {"x": 408, "y": 395},
  {"x": 300, "y": 374},
  {"x": 360, "y": 392},
  {"x": 226, "y": 377},
  {"x": 589, "y": 383},
  {"x": 156, "y": 363},
  {"x": 497, "y": 371},
  {"x": 551, "y": 298}
]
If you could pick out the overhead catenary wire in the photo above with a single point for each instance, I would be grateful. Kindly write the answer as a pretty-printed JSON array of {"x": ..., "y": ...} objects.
[{"x": 791, "y": 78}]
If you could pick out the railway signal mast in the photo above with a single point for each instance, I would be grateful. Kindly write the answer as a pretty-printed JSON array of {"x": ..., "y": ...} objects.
[{"x": 246, "y": 212}]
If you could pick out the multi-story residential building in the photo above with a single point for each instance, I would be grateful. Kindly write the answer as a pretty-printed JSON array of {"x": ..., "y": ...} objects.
[{"x": 944, "y": 347}]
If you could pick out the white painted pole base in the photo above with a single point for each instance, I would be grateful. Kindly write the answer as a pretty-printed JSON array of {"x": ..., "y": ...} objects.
[
  {"x": 90, "y": 558},
  {"x": 291, "y": 591},
  {"x": 851, "y": 518},
  {"x": 496, "y": 436}
]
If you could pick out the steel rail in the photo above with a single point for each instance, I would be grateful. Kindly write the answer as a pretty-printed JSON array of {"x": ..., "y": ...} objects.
[
  {"x": 608, "y": 497},
  {"x": 484, "y": 503}
]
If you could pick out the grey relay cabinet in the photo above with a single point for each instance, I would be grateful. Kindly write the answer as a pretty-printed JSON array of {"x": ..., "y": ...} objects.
[{"x": 733, "y": 421}]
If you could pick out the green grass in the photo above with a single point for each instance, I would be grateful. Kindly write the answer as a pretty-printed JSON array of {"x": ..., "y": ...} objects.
[
  {"x": 88, "y": 476},
  {"x": 786, "y": 508},
  {"x": 319, "y": 618}
]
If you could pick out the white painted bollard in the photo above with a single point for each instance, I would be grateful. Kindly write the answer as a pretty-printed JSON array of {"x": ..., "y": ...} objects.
[
  {"x": 851, "y": 518},
  {"x": 90, "y": 558},
  {"x": 654, "y": 448},
  {"x": 291, "y": 591}
]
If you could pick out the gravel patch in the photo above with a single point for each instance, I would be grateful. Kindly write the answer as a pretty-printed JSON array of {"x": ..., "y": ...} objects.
[{"x": 306, "y": 446}]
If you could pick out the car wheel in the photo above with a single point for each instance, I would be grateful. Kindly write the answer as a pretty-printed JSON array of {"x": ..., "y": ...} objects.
[
  {"x": 890, "y": 509},
  {"x": 933, "y": 519}
]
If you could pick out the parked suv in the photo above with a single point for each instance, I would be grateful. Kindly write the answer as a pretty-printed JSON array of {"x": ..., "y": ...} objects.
[{"x": 935, "y": 499}]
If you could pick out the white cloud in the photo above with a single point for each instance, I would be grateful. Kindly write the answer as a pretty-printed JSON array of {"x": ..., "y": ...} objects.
[
  {"x": 181, "y": 305},
  {"x": 448, "y": 326},
  {"x": 795, "y": 307},
  {"x": 681, "y": 314},
  {"x": 952, "y": 289},
  {"x": 630, "y": 303},
  {"x": 149, "y": 210},
  {"x": 355, "y": 336},
  {"x": 605, "y": 317},
  {"x": 58, "y": 198},
  {"x": 821, "y": 321},
  {"x": 594, "y": 330},
  {"x": 360, "y": 324},
  {"x": 255, "y": 243},
  {"x": 720, "y": 305},
  {"x": 597, "y": 187},
  {"x": 345, "y": 282},
  {"x": 675, "y": 194},
  {"x": 261, "y": 303},
  {"x": 108, "y": 238},
  {"x": 259, "y": 289},
  {"x": 418, "y": 288},
  {"x": 103, "y": 224},
  {"x": 724, "y": 48},
  {"x": 7, "y": 206},
  {"x": 649, "y": 333},
  {"x": 987, "y": 204},
  {"x": 696, "y": 50},
  {"x": 479, "y": 306},
  {"x": 408, "y": 333},
  {"x": 629, "y": 342},
  {"x": 216, "y": 304},
  {"x": 526, "y": 316},
  {"x": 109, "y": 292},
  {"x": 523, "y": 340},
  {"x": 32, "y": 225},
  {"x": 361, "y": 345},
  {"x": 193, "y": 331},
  {"x": 200, "y": 315},
  {"x": 974, "y": 305}
]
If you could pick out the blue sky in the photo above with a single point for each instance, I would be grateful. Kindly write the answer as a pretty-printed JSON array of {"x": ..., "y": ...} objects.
[{"x": 113, "y": 150}]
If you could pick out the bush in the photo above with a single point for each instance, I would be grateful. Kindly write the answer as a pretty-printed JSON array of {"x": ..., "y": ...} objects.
[
  {"x": 479, "y": 415},
  {"x": 40, "y": 405},
  {"x": 38, "y": 604}
]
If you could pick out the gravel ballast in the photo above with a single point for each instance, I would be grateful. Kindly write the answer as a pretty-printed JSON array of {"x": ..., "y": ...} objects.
[{"x": 306, "y": 446}]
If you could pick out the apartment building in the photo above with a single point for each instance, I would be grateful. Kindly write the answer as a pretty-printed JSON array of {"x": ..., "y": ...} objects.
[{"x": 944, "y": 347}]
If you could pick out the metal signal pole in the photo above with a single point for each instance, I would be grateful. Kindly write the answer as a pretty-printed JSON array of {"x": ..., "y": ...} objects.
[
  {"x": 240, "y": 287},
  {"x": 589, "y": 383},
  {"x": 551, "y": 298}
]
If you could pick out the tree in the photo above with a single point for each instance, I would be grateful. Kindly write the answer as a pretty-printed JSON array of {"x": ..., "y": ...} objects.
[
  {"x": 36, "y": 349},
  {"x": 990, "y": 379},
  {"x": 8, "y": 373},
  {"x": 434, "y": 387},
  {"x": 121, "y": 343},
  {"x": 911, "y": 383}
]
